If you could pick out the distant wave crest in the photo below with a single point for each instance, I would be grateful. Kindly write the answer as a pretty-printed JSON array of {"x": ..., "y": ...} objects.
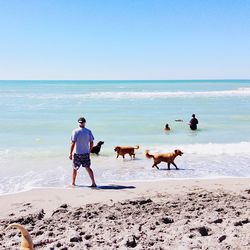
[
  {"x": 210, "y": 148},
  {"x": 195, "y": 149},
  {"x": 240, "y": 92}
]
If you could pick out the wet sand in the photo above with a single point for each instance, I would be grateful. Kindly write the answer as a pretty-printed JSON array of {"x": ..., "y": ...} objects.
[{"x": 176, "y": 214}]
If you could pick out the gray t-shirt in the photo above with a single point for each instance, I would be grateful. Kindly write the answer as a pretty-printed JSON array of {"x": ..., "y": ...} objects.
[{"x": 82, "y": 137}]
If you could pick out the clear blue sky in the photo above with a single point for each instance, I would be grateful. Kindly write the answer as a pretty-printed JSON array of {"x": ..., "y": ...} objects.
[{"x": 130, "y": 39}]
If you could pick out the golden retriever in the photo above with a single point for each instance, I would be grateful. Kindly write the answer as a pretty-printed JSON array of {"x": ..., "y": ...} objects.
[
  {"x": 125, "y": 150},
  {"x": 168, "y": 158},
  {"x": 26, "y": 241}
]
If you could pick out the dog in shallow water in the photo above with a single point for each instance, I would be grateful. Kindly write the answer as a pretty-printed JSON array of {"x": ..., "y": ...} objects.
[
  {"x": 168, "y": 158},
  {"x": 26, "y": 241},
  {"x": 125, "y": 150},
  {"x": 96, "y": 149}
]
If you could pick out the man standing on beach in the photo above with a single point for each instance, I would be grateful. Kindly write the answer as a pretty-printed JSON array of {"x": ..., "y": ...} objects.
[
  {"x": 83, "y": 139},
  {"x": 193, "y": 123}
]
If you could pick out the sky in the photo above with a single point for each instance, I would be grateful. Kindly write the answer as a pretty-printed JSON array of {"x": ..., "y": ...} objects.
[{"x": 127, "y": 39}]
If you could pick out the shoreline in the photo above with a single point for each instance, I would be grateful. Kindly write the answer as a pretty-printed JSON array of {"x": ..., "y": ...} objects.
[
  {"x": 132, "y": 181},
  {"x": 83, "y": 194},
  {"x": 172, "y": 214}
]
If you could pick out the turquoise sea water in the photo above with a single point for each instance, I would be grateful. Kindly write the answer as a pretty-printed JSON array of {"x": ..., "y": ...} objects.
[{"x": 37, "y": 117}]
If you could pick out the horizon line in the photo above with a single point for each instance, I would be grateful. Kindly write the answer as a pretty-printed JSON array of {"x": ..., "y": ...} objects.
[{"x": 226, "y": 79}]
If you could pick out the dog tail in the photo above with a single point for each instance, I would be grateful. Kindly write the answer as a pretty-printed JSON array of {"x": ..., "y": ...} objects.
[
  {"x": 26, "y": 241},
  {"x": 137, "y": 147},
  {"x": 148, "y": 155}
]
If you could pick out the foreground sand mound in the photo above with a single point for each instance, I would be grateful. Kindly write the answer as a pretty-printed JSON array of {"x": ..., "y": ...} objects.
[{"x": 196, "y": 220}]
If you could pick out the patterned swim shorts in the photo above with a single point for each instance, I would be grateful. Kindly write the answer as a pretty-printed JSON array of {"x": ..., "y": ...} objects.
[{"x": 81, "y": 159}]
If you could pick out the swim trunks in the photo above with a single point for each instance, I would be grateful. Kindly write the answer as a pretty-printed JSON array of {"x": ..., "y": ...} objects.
[{"x": 81, "y": 160}]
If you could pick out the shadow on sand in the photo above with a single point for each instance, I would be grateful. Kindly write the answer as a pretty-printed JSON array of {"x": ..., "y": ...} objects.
[
  {"x": 115, "y": 187},
  {"x": 111, "y": 186},
  {"x": 180, "y": 169}
]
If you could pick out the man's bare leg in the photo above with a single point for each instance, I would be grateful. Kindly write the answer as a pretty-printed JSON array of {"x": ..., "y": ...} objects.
[
  {"x": 91, "y": 175},
  {"x": 74, "y": 174}
]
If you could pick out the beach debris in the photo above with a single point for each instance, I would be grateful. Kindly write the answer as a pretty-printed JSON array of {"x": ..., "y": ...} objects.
[
  {"x": 140, "y": 202},
  {"x": 131, "y": 241},
  {"x": 203, "y": 231},
  {"x": 88, "y": 236},
  {"x": 217, "y": 221},
  {"x": 60, "y": 210},
  {"x": 64, "y": 206},
  {"x": 247, "y": 191},
  {"x": 76, "y": 239},
  {"x": 58, "y": 244},
  {"x": 167, "y": 220},
  {"x": 240, "y": 223},
  {"x": 219, "y": 210},
  {"x": 223, "y": 237},
  {"x": 111, "y": 217},
  {"x": 40, "y": 214},
  {"x": 26, "y": 241}
]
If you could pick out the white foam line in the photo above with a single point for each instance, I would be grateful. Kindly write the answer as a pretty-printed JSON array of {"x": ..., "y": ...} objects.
[
  {"x": 135, "y": 95},
  {"x": 206, "y": 149},
  {"x": 197, "y": 149},
  {"x": 131, "y": 182}
]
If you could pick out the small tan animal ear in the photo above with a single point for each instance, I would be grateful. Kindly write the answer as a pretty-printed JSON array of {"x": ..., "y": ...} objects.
[
  {"x": 26, "y": 241},
  {"x": 176, "y": 151}
]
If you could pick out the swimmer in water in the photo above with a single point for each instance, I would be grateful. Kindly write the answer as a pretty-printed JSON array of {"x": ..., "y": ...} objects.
[{"x": 167, "y": 128}]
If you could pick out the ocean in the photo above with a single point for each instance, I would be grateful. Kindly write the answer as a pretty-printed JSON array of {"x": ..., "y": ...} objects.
[{"x": 37, "y": 118}]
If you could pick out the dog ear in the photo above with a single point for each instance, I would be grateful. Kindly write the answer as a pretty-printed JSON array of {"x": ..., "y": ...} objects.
[{"x": 176, "y": 151}]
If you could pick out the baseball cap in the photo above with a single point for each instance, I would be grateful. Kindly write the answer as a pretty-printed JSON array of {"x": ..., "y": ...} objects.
[{"x": 81, "y": 120}]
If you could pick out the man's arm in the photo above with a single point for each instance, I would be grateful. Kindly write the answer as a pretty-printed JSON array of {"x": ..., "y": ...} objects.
[
  {"x": 72, "y": 146},
  {"x": 91, "y": 144}
]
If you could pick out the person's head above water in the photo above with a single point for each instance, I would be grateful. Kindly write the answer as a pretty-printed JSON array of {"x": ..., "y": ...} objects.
[
  {"x": 167, "y": 127},
  {"x": 193, "y": 115}
]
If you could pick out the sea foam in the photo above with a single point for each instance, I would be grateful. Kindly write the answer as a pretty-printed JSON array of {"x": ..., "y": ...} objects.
[
  {"x": 207, "y": 148},
  {"x": 240, "y": 92}
]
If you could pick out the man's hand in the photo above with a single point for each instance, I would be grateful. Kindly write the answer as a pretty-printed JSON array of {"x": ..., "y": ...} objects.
[{"x": 70, "y": 157}]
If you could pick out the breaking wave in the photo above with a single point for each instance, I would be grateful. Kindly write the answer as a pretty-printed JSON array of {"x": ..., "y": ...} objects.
[{"x": 240, "y": 92}]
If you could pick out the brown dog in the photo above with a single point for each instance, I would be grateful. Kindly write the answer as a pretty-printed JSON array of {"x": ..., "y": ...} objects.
[
  {"x": 168, "y": 158},
  {"x": 125, "y": 150},
  {"x": 26, "y": 241}
]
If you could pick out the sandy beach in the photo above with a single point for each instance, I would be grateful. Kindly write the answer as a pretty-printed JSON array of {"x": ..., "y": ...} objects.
[{"x": 173, "y": 214}]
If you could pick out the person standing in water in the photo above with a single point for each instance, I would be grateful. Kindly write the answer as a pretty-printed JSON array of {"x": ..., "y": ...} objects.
[
  {"x": 193, "y": 123},
  {"x": 82, "y": 140}
]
